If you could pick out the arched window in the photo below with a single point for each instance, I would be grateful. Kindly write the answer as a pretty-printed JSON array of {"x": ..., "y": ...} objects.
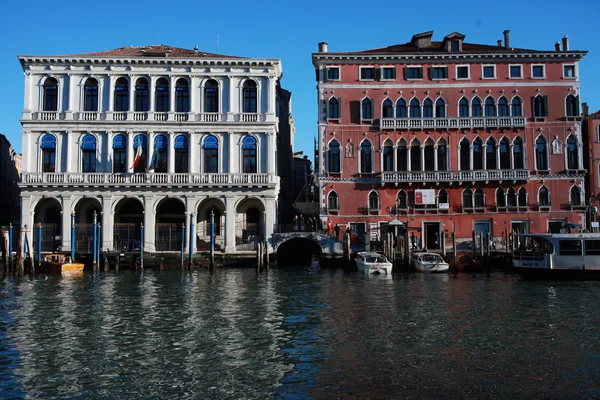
[
  {"x": 139, "y": 165},
  {"x": 504, "y": 153},
  {"x": 402, "y": 200},
  {"x": 467, "y": 198},
  {"x": 500, "y": 199},
  {"x": 121, "y": 95},
  {"x": 465, "y": 155},
  {"x": 388, "y": 156},
  {"x": 334, "y": 157},
  {"x": 415, "y": 108},
  {"x": 476, "y": 108},
  {"x": 517, "y": 107},
  {"x": 440, "y": 108},
  {"x": 443, "y": 197},
  {"x": 366, "y": 157},
  {"x": 541, "y": 154},
  {"x": 211, "y": 154},
  {"x": 160, "y": 154},
  {"x": 211, "y": 96},
  {"x": 442, "y": 155},
  {"x": 162, "y": 95},
  {"x": 540, "y": 106},
  {"x": 119, "y": 153},
  {"x": 572, "y": 153},
  {"x": 490, "y": 107},
  {"x": 142, "y": 101},
  {"x": 90, "y": 93},
  {"x": 572, "y": 106},
  {"x": 50, "y": 95},
  {"x": 544, "y": 197},
  {"x": 373, "y": 201},
  {"x": 182, "y": 96},
  {"x": 334, "y": 108},
  {"x": 490, "y": 154},
  {"x": 333, "y": 203},
  {"x": 401, "y": 108},
  {"x": 366, "y": 109},
  {"x": 181, "y": 155},
  {"x": 518, "y": 154},
  {"x": 479, "y": 198},
  {"x": 88, "y": 150},
  {"x": 575, "y": 196},
  {"x": 511, "y": 198},
  {"x": 477, "y": 154},
  {"x": 427, "y": 108},
  {"x": 415, "y": 156},
  {"x": 250, "y": 97},
  {"x": 522, "y": 197},
  {"x": 387, "y": 109},
  {"x": 429, "y": 155},
  {"x": 463, "y": 108},
  {"x": 402, "y": 156},
  {"x": 249, "y": 155},
  {"x": 48, "y": 146},
  {"x": 503, "y": 107}
]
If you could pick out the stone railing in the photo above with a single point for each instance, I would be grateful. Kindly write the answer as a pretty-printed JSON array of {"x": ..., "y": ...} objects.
[
  {"x": 154, "y": 117},
  {"x": 146, "y": 179},
  {"x": 454, "y": 176},
  {"x": 453, "y": 123}
]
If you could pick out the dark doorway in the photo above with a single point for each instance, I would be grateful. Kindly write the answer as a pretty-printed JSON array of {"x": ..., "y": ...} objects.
[
  {"x": 298, "y": 251},
  {"x": 432, "y": 235}
]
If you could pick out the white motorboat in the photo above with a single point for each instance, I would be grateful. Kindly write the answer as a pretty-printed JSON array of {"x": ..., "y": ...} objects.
[
  {"x": 557, "y": 254},
  {"x": 372, "y": 263},
  {"x": 428, "y": 262}
]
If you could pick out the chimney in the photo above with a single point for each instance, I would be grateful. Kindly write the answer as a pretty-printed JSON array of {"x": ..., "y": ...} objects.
[
  {"x": 506, "y": 39},
  {"x": 499, "y": 42},
  {"x": 585, "y": 110},
  {"x": 565, "y": 41},
  {"x": 557, "y": 46},
  {"x": 322, "y": 47}
]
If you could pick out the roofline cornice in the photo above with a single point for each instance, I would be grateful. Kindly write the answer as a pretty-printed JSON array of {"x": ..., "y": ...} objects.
[{"x": 419, "y": 57}]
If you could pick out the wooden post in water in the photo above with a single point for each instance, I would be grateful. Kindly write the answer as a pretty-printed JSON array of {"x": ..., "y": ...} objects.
[
  {"x": 481, "y": 244},
  {"x": 4, "y": 249},
  {"x": 106, "y": 264},
  {"x": 258, "y": 255},
  {"x": 161, "y": 266},
  {"x": 118, "y": 262},
  {"x": 212, "y": 239},
  {"x": 454, "y": 249},
  {"x": 94, "y": 245},
  {"x": 473, "y": 239},
  {"x": 266, "y": 255},
  {"x": 20, "y": 266},
  {"x": 182, "y": 244},
  {"x": 443, "y": 243},
  {"x": 142, "y": 246},
  {"x": 488, "y": 241}
]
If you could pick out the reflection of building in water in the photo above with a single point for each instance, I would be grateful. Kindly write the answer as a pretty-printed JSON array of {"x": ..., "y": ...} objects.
[
  {"x": 10, "y": 170},
  {"x": 156, "y": 135}
]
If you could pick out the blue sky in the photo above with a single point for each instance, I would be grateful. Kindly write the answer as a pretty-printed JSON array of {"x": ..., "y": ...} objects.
[{"x": 289, "y": 30}]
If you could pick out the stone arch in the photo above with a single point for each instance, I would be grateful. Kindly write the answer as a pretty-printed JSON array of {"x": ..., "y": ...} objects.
[
  {"x": 84, "y": 209},
  {"x": 48, "y": 211},
  {"x": 298, "y": 250},
  {"x": 249, "y": 228},
  {"x": 203, "y": 210}
]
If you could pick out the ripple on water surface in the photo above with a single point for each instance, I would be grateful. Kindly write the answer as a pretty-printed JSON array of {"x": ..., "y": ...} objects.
[{"x": 297, "y": 333}]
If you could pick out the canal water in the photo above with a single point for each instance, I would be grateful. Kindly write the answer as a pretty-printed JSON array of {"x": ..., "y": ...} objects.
[{"x": 298, "y": 333}]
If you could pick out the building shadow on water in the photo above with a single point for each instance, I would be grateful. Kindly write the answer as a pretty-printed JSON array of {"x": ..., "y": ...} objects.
[{"x": 298, "y": 251}]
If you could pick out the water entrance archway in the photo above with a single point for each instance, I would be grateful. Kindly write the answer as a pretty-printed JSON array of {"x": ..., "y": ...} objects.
[
  {"x": 84, "y": 223},
  {"x": 170, "y": 217},
  {"x": 129, "y": 216},
  {"x": 48, "y": 212},
  {"x": 298, "y": 251}
]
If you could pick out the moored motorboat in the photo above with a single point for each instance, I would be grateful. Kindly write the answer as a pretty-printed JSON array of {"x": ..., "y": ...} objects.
[
  {"x": 372, "y": 263},
  {"x": 428, "y": 262},
  {"x": 58, "y": 263}
]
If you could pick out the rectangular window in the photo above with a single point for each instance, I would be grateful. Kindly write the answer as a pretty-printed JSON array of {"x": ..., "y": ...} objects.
[
  {"x": 515, "y": 71},
  {"x": 119, "y": 161},
  {"x": 488, "y": 72},
  {"x": 538, "y": 71},
  {"x": 367, "y": 73},
  {"x": 569, "y": 247},
  {"x": 454, "y": 46},
  {"x": 568, "y": 71},
  {"x": 462, "y": 72},
  {"x": 414, "y": 72},
  {"x": 592, "y": 247},
  {"x": 388, "y": 73},
  {"x": 439, "y": 72},
  {"x": 333, "y": 73},
  {"x": 211, "y": 162}
]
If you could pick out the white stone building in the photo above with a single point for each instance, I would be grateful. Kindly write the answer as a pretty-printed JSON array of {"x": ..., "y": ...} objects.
[{"x": 206, "y": 124}]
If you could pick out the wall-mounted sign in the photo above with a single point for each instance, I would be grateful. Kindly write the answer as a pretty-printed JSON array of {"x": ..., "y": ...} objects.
[
  {"x": 444, "y": 206},
  {"x": 424, "y": 196}
]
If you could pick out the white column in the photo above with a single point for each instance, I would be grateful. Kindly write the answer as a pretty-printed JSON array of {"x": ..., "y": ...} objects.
[
  {"x": 129, "y": 150},
  {"x": 66, "y": 223},
  {"x": 435, "y": 157},
  {"x": 408, "y": 157},
  {"x": 132, "y": 79},
  {"x": 269, "y": 222},
  {"x": 271, "y": 153},
  {"x": 422, "y": 148},
  {"x": 27, "y": 93},
  {"x": 109, "y": 152},
  {"x": 111, "y": 93},
  {"x": 484, "y": 156},
  {"x": 107, "y": 223},
  {"x": 497, "y": 153},
  {"x": 193, "y": 93},
  {"x": 230, "y": 106},
  {"x": 511, "y": 148},
  {"x": 150, "y": 137},
  {"x": 71, "y": 157},
  {"x": 172, "y": 81},
  {"x": 151, "y": 87},
  {"x": 70, "y": 93},
  {"x": 395, "y": 157},
  {"x": 230, "y": 224},
  {"x": 172, "y": 153},
  {"x": 192, "y": 149},
  {"x": 149, "y": 223},
  {"x": 471, "y": 156},
  {"x": 233, "y": 155},
  {"x": 271, "y": 88}
]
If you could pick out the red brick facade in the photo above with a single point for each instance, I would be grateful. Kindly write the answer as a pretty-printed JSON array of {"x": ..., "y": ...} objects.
[{"x": 415, "y": 100}]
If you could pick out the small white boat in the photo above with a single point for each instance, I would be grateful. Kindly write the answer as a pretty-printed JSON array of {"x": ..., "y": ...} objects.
[
  {"x": 372, "y": 263},
  {"x": 428, "y": 262}
]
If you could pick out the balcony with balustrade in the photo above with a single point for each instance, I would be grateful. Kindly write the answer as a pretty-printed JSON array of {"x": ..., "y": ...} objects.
[
  {"x": 455, "y": 176},
  {"x": 150, "y": 117},
  {"x": 453, "y": 123},
  {"x": 191, "y": 180}
]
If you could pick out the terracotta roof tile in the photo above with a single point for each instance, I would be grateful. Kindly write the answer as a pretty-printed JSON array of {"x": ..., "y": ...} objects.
[
  {"x": 436, "y": 47},
  {"x": 160, "y": 50}
]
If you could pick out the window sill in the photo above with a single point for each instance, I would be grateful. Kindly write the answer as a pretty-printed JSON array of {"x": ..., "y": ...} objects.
[
  {"x": 538, "y": 77},
  {"x": 539, "y": 119},
  {"x": 387, "y": 80},
  {"x": 515, "y": 77},
  {"x": 487, "y": 79},
  {"x": 333, "y": 119},
  {"x": 366, "y": 80},
  {"x": 414, "y": 79},
  {"x": 462, "y": 79},
  {"x": 570, "y": 78}
]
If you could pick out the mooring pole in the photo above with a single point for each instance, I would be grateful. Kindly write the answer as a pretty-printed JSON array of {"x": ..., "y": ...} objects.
[
  {"x": 10, "y": 240},
  {"x": 39, "y": 245},
  {"x": 142, "y": 246},
  {"x": 191, "y": 248},
  {"x": 454, "y": 249},
  {"x": 182, "y": 243},
  {"x": 99, "y": 243},
  {"x": 212, "y": 238},
  {"x": 94, "y": 244},
  {"x": 72, "y": 237}
]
